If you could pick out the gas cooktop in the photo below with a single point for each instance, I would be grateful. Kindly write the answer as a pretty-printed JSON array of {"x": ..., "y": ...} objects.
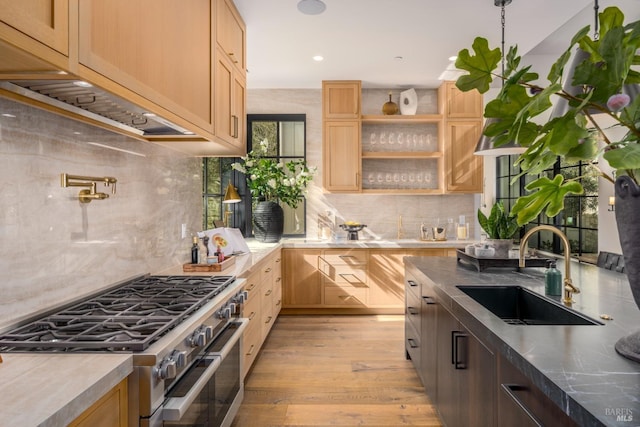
[{"x": 128, "y": 318}]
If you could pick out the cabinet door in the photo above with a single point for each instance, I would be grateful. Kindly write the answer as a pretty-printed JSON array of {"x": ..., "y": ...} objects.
[
  {"x": 302, "y": 281},
  {"x": 460, "y": 105},
  {"x": 159, "y": 49},
  {"x": 45, "y": 21},
  {"x": 341, "y": 99},
  {"x": 466, "y": 392},
  {"x": 478, "y": 384},
  {"x": 110, "y": 410},
  {"x": 341, "y": 156},
  {"x": 386, "y": 284},
  {"x": 229, "y": 102},
  {"x": 464, "y": 170},
  {"x": 448, "y": 379},
  {"x": 230, "y": 33}
]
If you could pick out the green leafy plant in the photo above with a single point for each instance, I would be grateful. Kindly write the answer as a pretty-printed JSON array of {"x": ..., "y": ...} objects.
[
  {"x": 499, "y": 224},
  {"x": 275, "y": 181},
  {"x": 576, "y": 135}
]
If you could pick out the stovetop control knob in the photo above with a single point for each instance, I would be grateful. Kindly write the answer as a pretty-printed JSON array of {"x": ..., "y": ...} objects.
[
  {"x": 198, "y": 338},
  {"x": 224, "y": 312},
  {"x": 180, "y": 357},
  {"x": 167, "y": 369},
  {"x": 208, "y": 332},
  {"x": 241, "y": 297}
]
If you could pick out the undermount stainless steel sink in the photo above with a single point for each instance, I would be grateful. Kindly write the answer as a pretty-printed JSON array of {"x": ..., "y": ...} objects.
[{"x": 520, "y": 306}]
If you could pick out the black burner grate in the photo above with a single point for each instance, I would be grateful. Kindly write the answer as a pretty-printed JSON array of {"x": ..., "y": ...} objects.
[{"x": 128, "y": 318}]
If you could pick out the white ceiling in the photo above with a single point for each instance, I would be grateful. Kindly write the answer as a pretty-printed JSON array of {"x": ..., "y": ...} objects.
[{"x": 360, "y": 39}]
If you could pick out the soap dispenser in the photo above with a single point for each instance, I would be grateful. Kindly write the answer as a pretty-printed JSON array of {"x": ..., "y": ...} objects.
[{"x": 552, "y": 280}]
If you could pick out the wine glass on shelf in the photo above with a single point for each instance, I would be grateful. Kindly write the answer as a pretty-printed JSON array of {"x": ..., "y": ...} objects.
[
  {"x": 383, "y": 138},
  {"x": 392, "y": 138},
  {"x": 372, "y": 138},
  {"x": 400, "y": 138}
]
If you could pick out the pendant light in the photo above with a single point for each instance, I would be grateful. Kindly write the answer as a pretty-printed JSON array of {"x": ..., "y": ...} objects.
[
  {"x": 485, "y": 145},
  {"x": 561, "y": 107}
]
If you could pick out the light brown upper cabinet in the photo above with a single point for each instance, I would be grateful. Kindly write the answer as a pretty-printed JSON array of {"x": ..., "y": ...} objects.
[
  {"x": 341, "y": 99},
  {"x": 341, "y": 156},
  {"x": 464, "y": 170},
  {"x": 230, "y": 33},
  {"x": 230, "y": 95},
  {"x": 45, "y": 21},
  {"x": 460, "y": 105},
  {"x": 162, "y": 53},
  {"x": 462, "y": 112},
  {"x": 40, "y": 27}
]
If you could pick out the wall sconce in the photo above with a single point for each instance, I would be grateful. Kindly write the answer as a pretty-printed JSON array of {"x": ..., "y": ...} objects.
[
  {"x": 612, "y": 204},
  {"x": 230, "y": 196},
  {"x": 89, "y": 194}
]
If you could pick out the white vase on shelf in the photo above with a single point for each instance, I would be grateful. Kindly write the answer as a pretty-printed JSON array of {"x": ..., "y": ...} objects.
[{"x": 408, "y": 102}]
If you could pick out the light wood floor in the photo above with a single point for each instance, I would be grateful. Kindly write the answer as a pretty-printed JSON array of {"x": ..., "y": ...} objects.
[{"x": 335, "y": 371}]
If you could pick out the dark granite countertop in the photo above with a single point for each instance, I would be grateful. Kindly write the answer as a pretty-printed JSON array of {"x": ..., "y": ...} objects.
[{"x": 575, "y": 366}]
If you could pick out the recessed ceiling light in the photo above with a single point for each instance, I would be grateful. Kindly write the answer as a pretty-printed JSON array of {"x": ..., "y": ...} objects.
[
  {"x": 318, "y": 58},
  {"x": 82, "y": 83},
  {"x": 311, "y": 7}
]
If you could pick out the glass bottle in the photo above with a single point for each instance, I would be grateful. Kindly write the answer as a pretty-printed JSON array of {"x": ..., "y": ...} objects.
[{"x": 195, "y": 251}]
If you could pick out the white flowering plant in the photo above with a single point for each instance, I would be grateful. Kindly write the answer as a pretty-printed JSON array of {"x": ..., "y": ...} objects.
[{"x": 275, "y": 181}]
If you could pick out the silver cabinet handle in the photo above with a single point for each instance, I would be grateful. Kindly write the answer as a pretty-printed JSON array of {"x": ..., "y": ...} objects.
[{"x": 412, "y": 283}]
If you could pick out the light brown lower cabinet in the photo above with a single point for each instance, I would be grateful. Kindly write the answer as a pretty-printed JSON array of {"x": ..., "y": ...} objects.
[
  {"x": 348, "y": 280},
  {"x": 264, "y": 301},
  {"x": 111, "y": 410}
]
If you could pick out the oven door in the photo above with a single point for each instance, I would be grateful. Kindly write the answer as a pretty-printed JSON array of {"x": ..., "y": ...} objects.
[{"x": 210, "y": 393}]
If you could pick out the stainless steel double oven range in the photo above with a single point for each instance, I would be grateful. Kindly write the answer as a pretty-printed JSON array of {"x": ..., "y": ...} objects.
[{"x": 184, "y": 333}]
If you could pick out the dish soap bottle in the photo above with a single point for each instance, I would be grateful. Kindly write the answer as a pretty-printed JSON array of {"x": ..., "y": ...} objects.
[
  {"x": 552, "y": 280},
  {"x": 195, "y": 251}
]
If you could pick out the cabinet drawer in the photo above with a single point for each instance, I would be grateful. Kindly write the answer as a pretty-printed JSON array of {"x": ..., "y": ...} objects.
[
  {"x": 251, "y": 310},
  {"x": 413, "y": 311},
  {"x": 252, "y": 287},
  {"x": 251, "y": 343},
  {"x": 412, "y": 344},
  {"x": 347, "y": 275},
  {"x": 353, "y": 258},
  {"x": 334, "y": 295}
]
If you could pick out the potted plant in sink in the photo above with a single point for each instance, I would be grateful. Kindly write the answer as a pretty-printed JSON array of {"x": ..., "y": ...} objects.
[
  {"x": 603, "y": 78},
  {"x": 500, "y": 227}
]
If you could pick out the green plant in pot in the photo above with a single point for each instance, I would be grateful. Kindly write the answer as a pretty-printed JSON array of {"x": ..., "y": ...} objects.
[
  {"x": 271, "y": 183},
  {"x": 597, "y": 102},
  {"x": 501, "y": 227}
]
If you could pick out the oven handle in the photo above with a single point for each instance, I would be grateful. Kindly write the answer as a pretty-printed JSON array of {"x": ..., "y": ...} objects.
[{"x": 174, "y": 408}]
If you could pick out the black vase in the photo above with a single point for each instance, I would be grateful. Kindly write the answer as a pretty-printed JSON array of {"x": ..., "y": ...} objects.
[
  {"x": 268, "y": 222},
  {"x": 628, "y": 221}
]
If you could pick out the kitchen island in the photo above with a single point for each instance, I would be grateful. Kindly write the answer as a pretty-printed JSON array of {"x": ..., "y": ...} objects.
[{"x": 573, "y": 366}]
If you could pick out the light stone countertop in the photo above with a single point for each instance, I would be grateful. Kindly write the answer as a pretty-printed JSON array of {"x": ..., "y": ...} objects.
[
  {"x": 54, "y": 389},
  {"x": 48, "y": 389}
]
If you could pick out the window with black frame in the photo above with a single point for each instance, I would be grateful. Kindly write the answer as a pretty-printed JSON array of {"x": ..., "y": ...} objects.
[
  {"x": 579, "y": 218},
  {"x": 286, "y": 137}
]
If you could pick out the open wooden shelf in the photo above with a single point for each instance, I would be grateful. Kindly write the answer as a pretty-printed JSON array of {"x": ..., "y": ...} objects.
[
  {"x": 401, "y": 154},
  {"x": 396, "y": 118}
]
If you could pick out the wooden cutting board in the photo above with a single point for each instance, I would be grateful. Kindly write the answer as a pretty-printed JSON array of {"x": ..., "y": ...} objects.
[{"x": 203, "y": 268}]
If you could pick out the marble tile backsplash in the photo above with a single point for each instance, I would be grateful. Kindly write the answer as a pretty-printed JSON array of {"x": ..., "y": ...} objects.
[{"x": 54, "y": 248}]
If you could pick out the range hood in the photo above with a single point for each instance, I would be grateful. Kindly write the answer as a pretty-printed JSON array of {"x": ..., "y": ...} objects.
[{"x": 83, "y": 100}]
